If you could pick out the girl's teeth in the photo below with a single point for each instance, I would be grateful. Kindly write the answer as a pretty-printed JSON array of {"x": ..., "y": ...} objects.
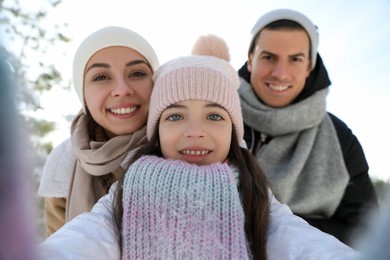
[
  {"x": 204, "y": 152},
  {"x": 122, "y": 111}
]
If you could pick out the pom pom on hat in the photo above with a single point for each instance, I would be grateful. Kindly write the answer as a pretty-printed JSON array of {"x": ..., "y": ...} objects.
[
  {"x": 211, "y": 45},
  {"x": 108, "y": 37},
  {"x": 287, "y": 14},
  {"x": 196, "y": 77}
]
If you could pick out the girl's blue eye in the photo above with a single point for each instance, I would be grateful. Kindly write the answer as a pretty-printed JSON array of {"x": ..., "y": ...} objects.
[
  {"x": 215, "y": 117},
  {"x": 174, "y": 117}
]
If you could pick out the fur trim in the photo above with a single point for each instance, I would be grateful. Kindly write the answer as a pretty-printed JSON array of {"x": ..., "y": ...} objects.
[{"x": 57, "y": 172}]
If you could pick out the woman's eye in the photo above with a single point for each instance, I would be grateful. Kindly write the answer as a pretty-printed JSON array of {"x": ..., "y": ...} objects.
[
  {"x": 100, "y": 77},
  {"x": 174, "y": 117},
  {"x": 137, "y": 74},
  {"x": 215, "y": 117}
]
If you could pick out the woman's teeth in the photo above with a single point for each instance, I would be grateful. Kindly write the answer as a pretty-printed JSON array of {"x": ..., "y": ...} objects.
[{"x": 122, "y": 111}]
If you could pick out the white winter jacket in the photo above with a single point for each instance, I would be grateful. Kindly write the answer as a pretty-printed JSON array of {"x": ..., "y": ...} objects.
[{"x": 92, "y": 236}]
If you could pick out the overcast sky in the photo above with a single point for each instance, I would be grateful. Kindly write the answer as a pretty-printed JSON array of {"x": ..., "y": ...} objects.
[{"x": 354, "y": 44}]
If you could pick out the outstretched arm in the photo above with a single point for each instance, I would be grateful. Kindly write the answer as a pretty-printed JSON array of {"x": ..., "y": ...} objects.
[{"x": 290, "y": 237}]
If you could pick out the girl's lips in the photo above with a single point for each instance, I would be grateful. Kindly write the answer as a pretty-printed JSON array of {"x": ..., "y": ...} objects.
[
  {"x": 195, "y": 155},
  {"x": 195, "y": 152}
]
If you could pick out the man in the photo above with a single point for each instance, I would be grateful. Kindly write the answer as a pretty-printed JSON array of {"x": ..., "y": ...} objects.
[{"x": 313, "y": 161}]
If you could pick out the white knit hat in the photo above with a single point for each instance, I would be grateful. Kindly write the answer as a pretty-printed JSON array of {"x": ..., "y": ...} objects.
[
  {"x": 196, "y": 77},
  {"x": 103, "y": 38},
  {"x": 287, "y": 14}
]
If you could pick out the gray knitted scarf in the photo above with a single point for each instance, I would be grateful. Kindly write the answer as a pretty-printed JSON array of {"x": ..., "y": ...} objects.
[
  {"x": 176, "y": 210},
  {"x": 303, "y": 161}
]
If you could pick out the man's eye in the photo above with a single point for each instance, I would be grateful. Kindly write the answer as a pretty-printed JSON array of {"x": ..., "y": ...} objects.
[
  {"x": 174, "y": 117},
  {"x": 267, "y": 57},
  {"x": 296, "y": 59},
  {"x": 215, "y": 117}
]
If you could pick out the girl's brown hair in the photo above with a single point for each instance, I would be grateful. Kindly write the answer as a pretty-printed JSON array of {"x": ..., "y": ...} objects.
[{"x": 253, "y": 188}]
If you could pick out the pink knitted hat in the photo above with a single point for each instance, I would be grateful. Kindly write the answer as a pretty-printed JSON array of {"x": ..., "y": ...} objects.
[{"x": 196, "y": 78}]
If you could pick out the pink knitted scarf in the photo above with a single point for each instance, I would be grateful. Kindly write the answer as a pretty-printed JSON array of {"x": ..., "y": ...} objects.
[{"x": 176, "y": 210}]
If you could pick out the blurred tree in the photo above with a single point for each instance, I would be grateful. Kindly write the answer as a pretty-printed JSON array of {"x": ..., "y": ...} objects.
[{"x": 27, "y": 35}]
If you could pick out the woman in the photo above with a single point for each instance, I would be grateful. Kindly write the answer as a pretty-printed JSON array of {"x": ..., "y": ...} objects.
[{"x": 112, "y": 75}]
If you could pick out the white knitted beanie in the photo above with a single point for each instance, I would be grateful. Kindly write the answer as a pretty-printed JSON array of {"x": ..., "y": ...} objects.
[
  {"x": 108, "y": 37},
  {"x": 196, "y": 78},
  {"x": 287, "y": 14}
]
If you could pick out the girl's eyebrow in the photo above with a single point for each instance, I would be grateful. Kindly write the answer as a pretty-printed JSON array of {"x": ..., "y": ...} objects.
[
  {"x": 176, "y": 106},
  {"x": 207, "y": 105},
  {"x": 214, "y": 105},
  {"x": 130, "y": 63}
]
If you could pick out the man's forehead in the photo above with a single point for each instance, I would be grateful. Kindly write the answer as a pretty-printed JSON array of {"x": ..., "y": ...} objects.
[{"x": 271, "y": 39}]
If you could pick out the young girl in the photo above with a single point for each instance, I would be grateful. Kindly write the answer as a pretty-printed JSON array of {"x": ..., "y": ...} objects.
[
  {"x": 194, "y": 117},
  {"x": 112, "y": 75},
  {"x": 193, "y": 192}
]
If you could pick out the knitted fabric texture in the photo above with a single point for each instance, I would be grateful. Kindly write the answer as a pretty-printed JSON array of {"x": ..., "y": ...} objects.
[
  {"x": 287, "y": 14},
  {"x": 196, "y": 78},
  {"x": 104, "y": 38},
  {"x": 176, "y": 210},
  {"x": 303, "y": 162}
]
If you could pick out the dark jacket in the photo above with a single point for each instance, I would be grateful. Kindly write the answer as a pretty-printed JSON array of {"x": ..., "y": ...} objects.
[{"x": 359, "y": 197}]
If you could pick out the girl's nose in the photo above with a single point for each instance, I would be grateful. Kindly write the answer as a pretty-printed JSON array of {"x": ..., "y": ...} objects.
[{"x": 194, "y": 129}]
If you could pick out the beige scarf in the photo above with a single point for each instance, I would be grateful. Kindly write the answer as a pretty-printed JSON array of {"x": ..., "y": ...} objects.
[{"x": 94, "y": 159}]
